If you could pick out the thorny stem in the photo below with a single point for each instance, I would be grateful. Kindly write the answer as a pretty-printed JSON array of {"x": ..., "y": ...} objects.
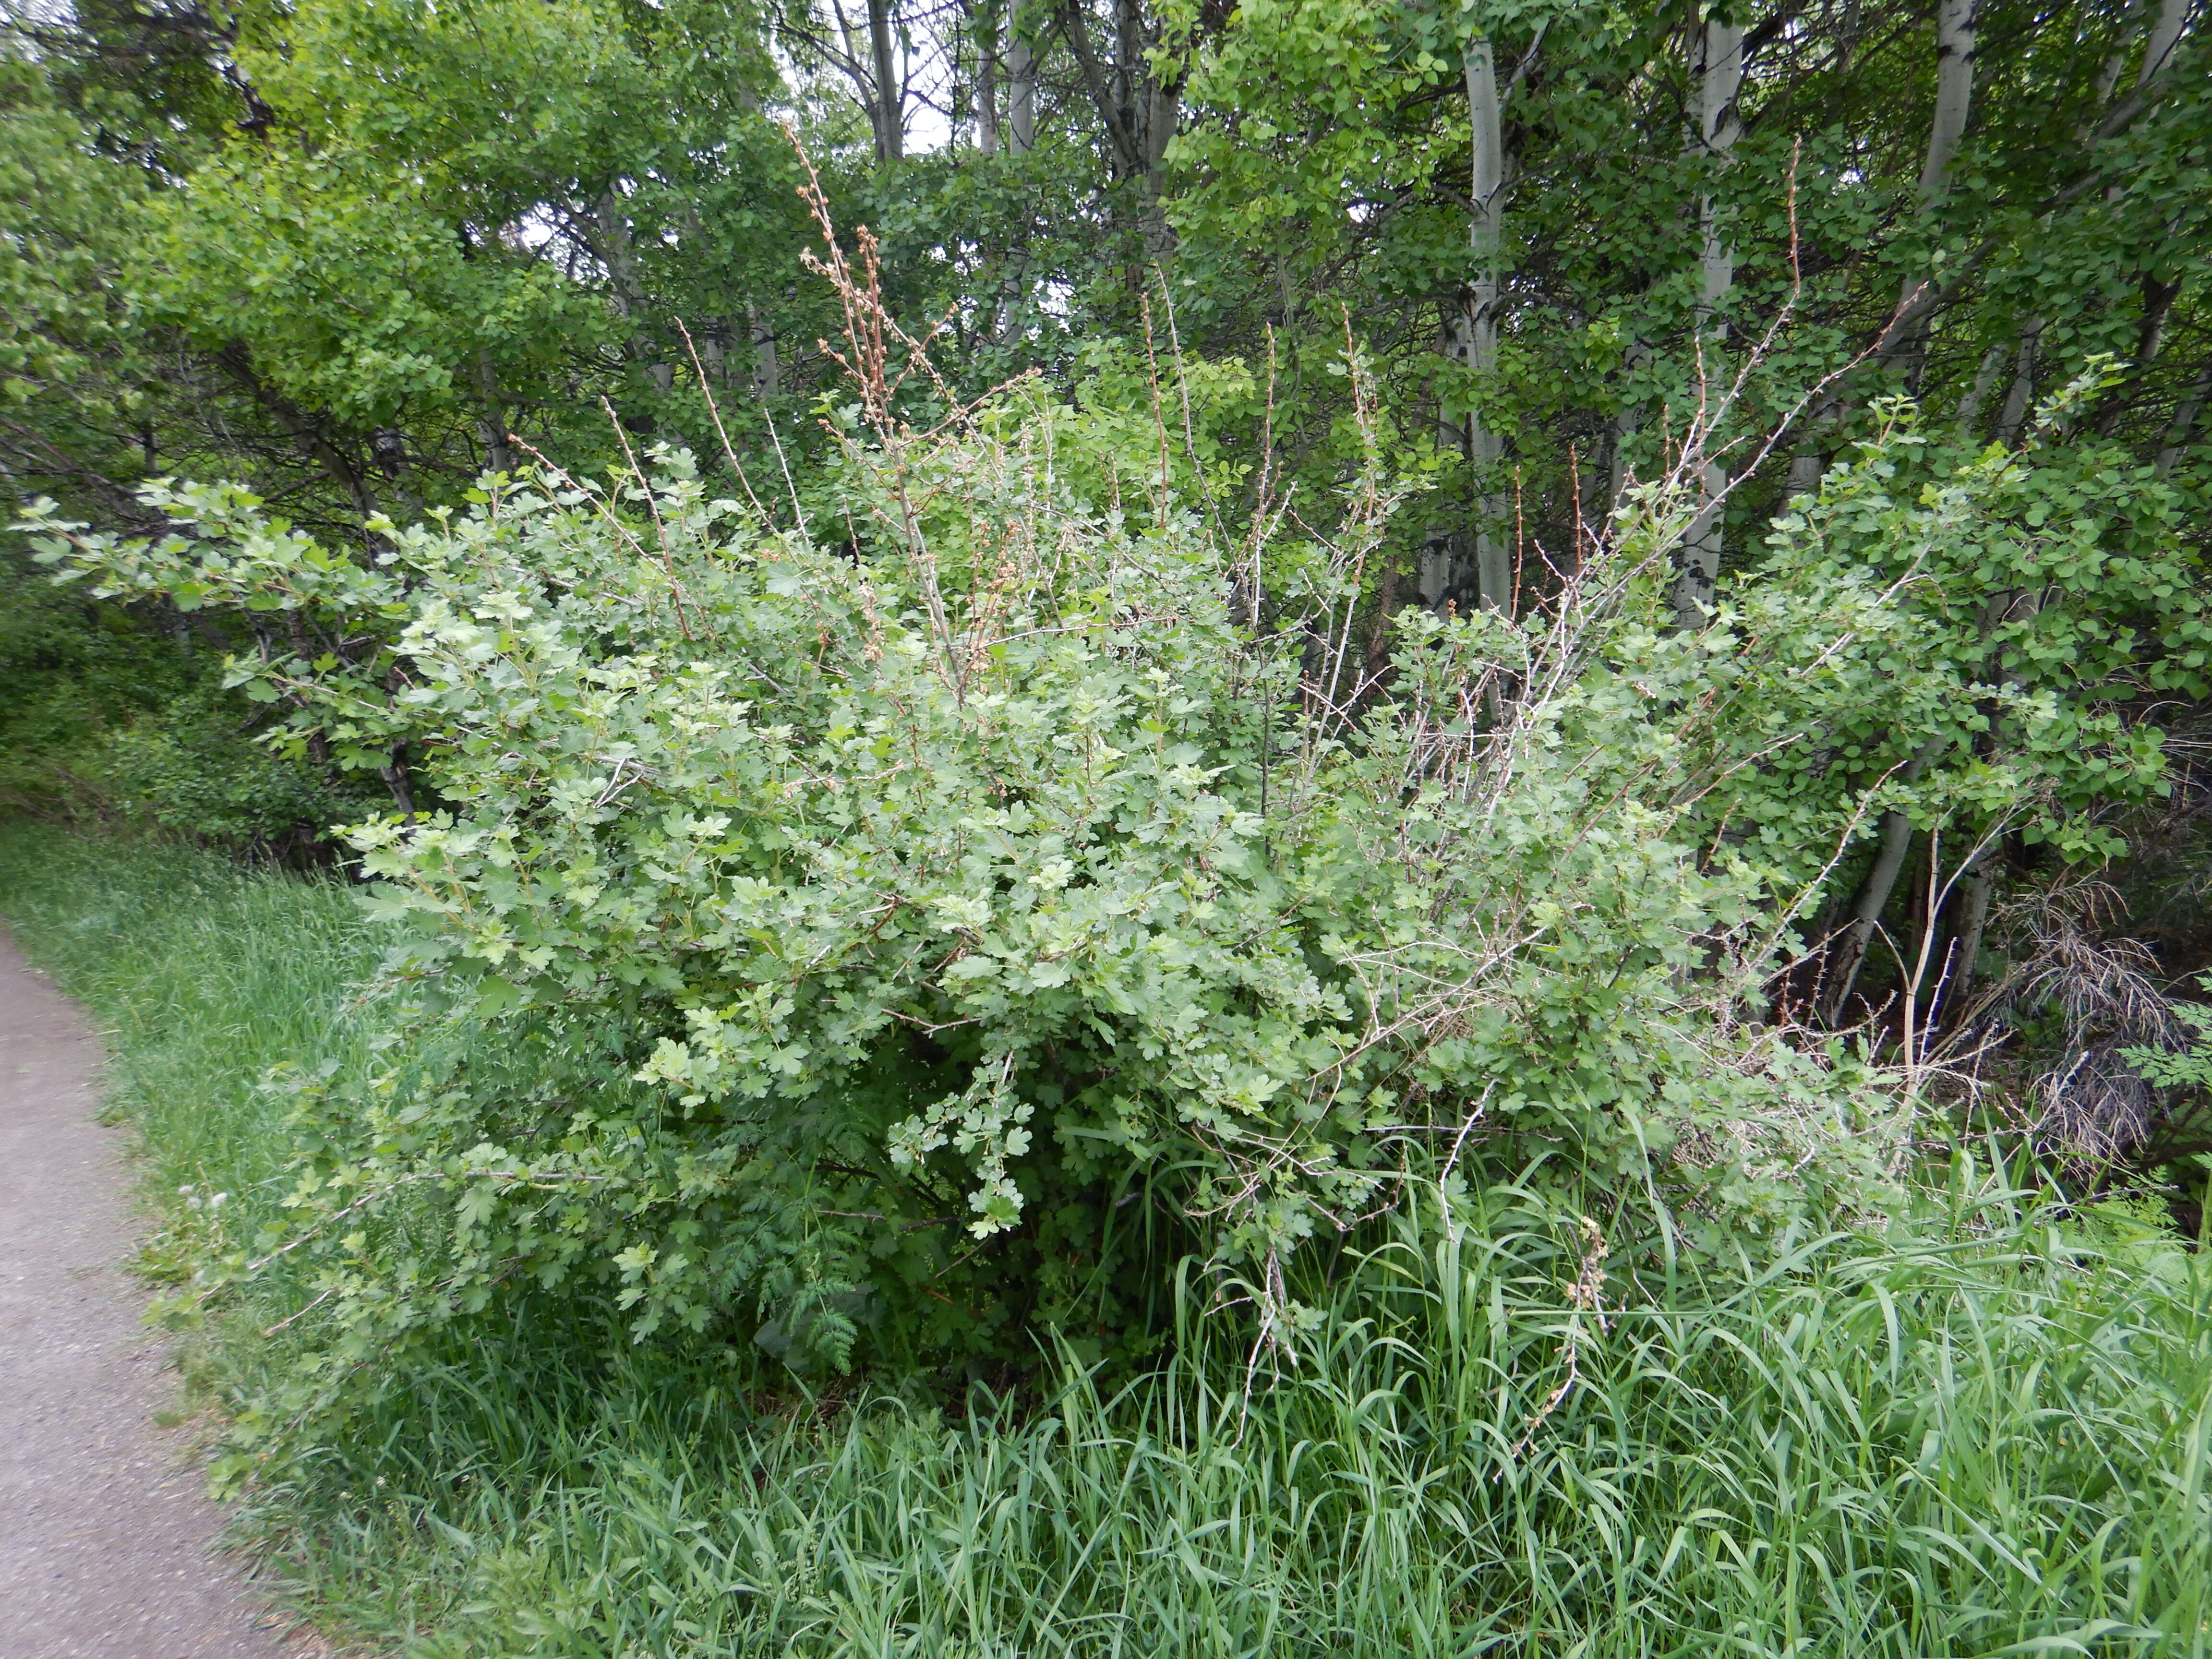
[
  {"x": 714, "y": 411},
  {"x": 645, "y": 487}
]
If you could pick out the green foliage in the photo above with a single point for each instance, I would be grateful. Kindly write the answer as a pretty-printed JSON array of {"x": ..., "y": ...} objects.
[
  {"x": 109, "y": 714},
  {"x": 865, "y": 933},
  {"x": 1888, "y": 1447},
  {"x": 2189, "y": 1069},
  {"x": 870, "y": 928},
  {"x": 1990, "y": 618},
  {"x": 897, "y": 924},
  {"x": 327, "y": 229},
  {"x": 375, "y": 267},
  {"x": 1979, "y": 1428},
  {"x": 66, "y": 321}
]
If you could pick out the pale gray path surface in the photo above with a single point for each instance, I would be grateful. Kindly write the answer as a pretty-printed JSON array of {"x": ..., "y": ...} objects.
[{"x": 105, "y": 1524}]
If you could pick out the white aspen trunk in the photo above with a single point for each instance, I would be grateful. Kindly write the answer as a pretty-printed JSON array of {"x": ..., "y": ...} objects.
[
  {"x": 1907, "y": 333},
  {"x": 987, "y": 78},
  {"x": 628, "y": 294},
  {"x": 614, "y": 240},
  {"x": 2108, "y": 78},
  {"x": 1626, "y": 424},
  {"x": 1807, "y": 465},
  {"x": 2020, "y": 396},
  {"x": 1720, "y": 81},
  {"x": 1719, "y": 125},
  {"x": 1847, "y": 948},
  {"x": 1162, "y": 109},
  {"x": 2182, "y": 427},
  {"x": 394, "y": 770},
  {"x": 499, "y": 457},
  {"x": 1976, "y": 888},
  {"x": 2165, "y": 35},
  {"x": 1493, "y": 559},
  {"x": 1985, "y": 381},
  {"x": 1954, "y": 99},
  {"x": 2159, "y": 299},
  {"x": 388, "y": 448},
  {"x": 1978, "y": 881},
  {"x": 1443, "y": 553},
  {"x": 768, "y": 371},
  {"x": 890, "y": 87},
  {"x": 1954, "y": 95},
  {"x": 1021, "y": 94}
]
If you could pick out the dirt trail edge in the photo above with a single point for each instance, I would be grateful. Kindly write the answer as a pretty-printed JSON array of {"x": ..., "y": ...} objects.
[{"x": 104, "y": 1526}]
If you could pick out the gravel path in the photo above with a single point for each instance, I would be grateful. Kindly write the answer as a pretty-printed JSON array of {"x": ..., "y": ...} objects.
[{"x": 105, "y": 1526}]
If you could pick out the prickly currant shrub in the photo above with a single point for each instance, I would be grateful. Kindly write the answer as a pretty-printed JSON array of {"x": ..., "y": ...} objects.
[{"x": 897, "y": 945}]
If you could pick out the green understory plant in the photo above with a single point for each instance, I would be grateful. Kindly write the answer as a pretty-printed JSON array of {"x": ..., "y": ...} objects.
[
  {"x": 910, "y": 945},
  {"x": 854, "y": 939},
  {"x": 1978, "y": 1428}
]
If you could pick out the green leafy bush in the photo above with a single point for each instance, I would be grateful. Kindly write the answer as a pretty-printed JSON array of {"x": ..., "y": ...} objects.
[
  {"x": 925, "y": 939},
  {"x": 1979, "y": 1428},
  {"x": 875, "y": 930}
]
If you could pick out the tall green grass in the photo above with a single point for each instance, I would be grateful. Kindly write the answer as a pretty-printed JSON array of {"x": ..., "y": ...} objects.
[{"x": 1974, "y": 1430}]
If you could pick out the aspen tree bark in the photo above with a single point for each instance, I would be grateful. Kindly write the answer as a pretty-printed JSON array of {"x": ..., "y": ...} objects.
[
  {"x": 1162, "y": 113},
  {"x": 2158, "y": 302},
  {"x": 1954, "y": 95},
  {"x": 1956, "y": 21},
  {"x": 1493, "y": 560},
  {"x": 614, "y": 249},
  {"x": 499, "y": 457},
  {"x": 393, "y": 770},
  {"x": 1138, "y": 109},
  {"x": 768, "y": 371},
  {"x": 388, "y": 449},
  {"x": 713, "y": 361},
  {"x": 1977, "y": 889},
  {"x": 709, "y": 347},
  {"x": 889, "y": 110},
  {"x": 1472, "y": 339},
  {"x": 2165, "y": 35},
  {"x": 1628, "y": 423},
  {"x": 767, "y": 375},
  {"x": 1806, "y": 465},
  {"x": 1986, "y": 379},
  {"x": 2021, "y": 394},
  {"x": 1020, "y": 136},
  {"x": 1021, "y": 92},
  {"x": 2107, "y": 79},
  {"x": 2182, "y": 427},
  {"x": 1720, "y": 78},
  {"x": 1978, "y": 881},
  {"x": 626, "y": 291},
  {"x": 987, "y": 78},
  {"x": 1847, "y": 948},
  {"x": 1906, "y": 336}
]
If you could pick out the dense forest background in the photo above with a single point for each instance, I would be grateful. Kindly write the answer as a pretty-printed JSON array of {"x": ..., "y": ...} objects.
[{"x": 1022, "y": 689}]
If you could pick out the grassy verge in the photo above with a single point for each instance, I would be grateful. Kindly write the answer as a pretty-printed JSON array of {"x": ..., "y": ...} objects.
[{"x": 1975, "y": 1433}]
